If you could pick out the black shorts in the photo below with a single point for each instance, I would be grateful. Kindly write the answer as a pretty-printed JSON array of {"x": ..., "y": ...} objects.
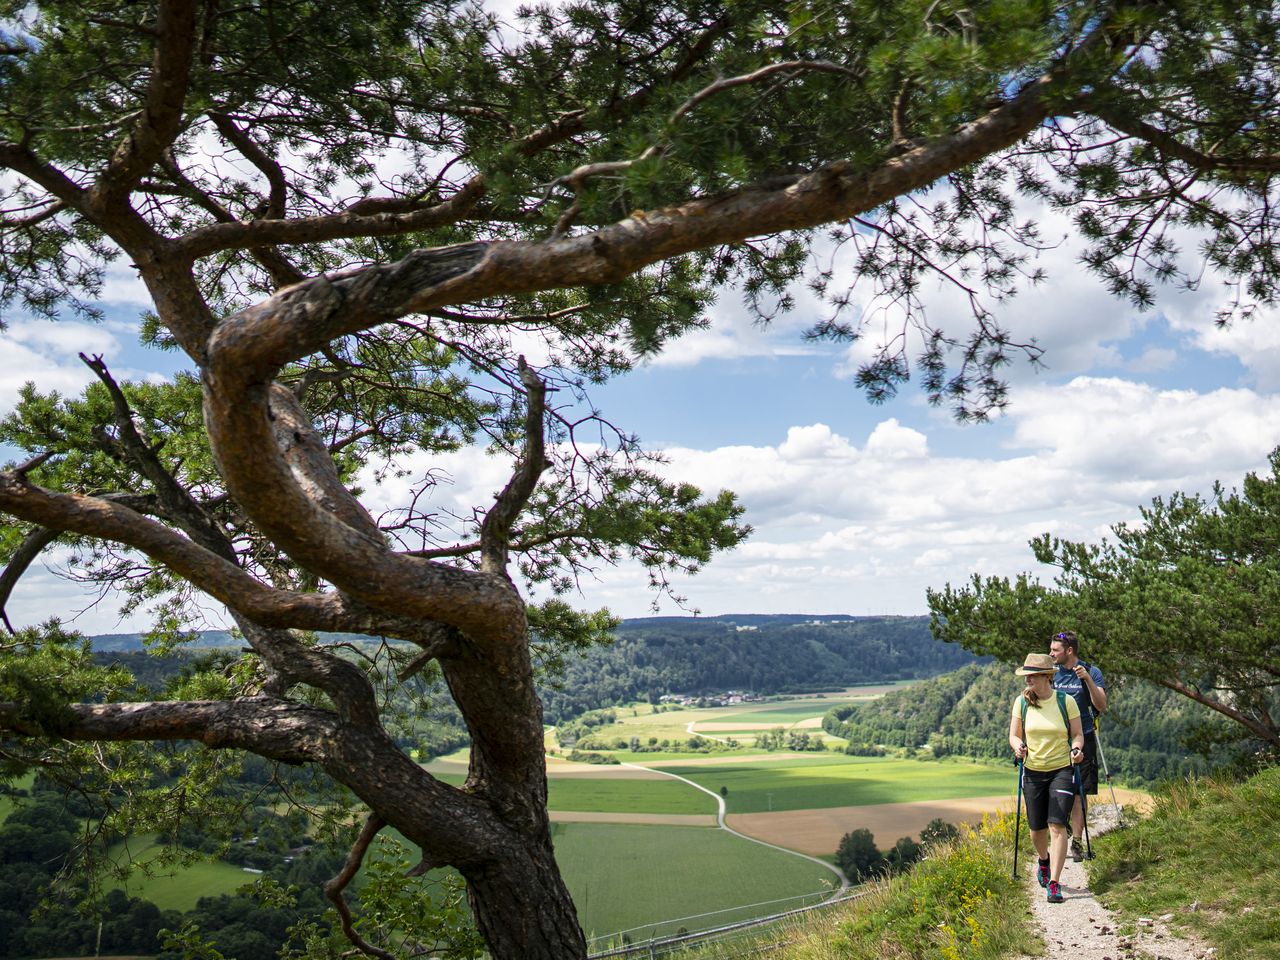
[
  {"x": 1049, "y": 796},
  {"x": 1089, "y": 765}
]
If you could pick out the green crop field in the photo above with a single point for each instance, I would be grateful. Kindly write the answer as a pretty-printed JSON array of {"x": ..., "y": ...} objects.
[
  {"x": 781, "y": 715},
  {"x": 640, "y": 720},
  {"x": 757, "y": 786},
  {"x": 604, "y": 795},
  {"x": 629, "y": 877},
  {"x": 177, "y": 886}
]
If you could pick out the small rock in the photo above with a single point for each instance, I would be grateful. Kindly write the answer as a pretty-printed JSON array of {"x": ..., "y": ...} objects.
[
  {"x": 1146, "y": 922},
  {"x": 1195, "y": 905},
  {"x": 1166, "y": 917}
]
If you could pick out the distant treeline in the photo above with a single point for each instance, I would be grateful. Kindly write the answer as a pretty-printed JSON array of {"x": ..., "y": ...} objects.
[
  {"x": 762, "y": 653},
  {"x": 759, "y": 653},
  {"x": 1148, "y": 733}
]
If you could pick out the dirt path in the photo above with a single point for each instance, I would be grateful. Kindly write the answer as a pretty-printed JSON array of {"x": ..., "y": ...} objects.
[{"x": 1082, "y": 929}]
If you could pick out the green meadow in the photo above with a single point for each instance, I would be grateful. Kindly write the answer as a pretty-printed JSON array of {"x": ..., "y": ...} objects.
[
  {"x": 615, "y": 795},
  {"x": 609, "y": 794},
  {"x": 627, "y": 877},
  {"x": 756, "y": 786},
  {"x": 176, "y": 886},
  {"x": 780, "y": 716}
]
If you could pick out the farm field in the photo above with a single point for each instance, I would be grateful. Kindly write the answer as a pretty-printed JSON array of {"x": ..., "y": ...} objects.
[
  {"x": 673, "y": 723},
  {"x": 176, "y": 887},
  {"x": 619, "y": 795},
  {"x": 818, "y": 832},
  {"x": 707, "y": 875},
  {"x": 761, "y": 785},
  {"x": 791, "y": 712},
  {"x": 593, "y": 788}
]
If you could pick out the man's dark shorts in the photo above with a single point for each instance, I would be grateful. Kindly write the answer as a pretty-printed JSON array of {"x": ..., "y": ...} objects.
[
  {"x": 1049, "y": 797},
  {"x": 1089, "y": 766}
]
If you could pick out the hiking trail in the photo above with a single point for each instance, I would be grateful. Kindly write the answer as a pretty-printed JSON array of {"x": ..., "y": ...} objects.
[{"x": 1082, "y": 929}]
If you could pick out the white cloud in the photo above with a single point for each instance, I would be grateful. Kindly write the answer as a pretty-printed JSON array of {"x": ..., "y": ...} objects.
[
  {"x": 1153, "y": 360},
  {"x": 866, "y": 529}
]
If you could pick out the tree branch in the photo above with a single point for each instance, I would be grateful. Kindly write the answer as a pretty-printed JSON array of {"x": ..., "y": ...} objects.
[
  {"x": 1261, "y": 732},
  {"x": 109, "y": 519},
  {"x": 495, "y": 530},
  {"x": 389, "y": 216},
  {"x": 177, "y": 503},
  {"x": 258, "y": 157},
  {"x": 278, "y": 729},
  {"x": 282, "y": 271},
  {"x": 161, "y": 118},
  {"x": 1167, "y": 143},
  {"x": 333, "y": 888},
  {"x": 31, "y": 547},
  {"x": 204, "y": 241},
  {"x": 576, "y": 177}
]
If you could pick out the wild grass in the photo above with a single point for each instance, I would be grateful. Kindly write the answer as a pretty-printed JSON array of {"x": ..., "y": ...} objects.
[
  {"x": 1209, "y": 856},
  {"x": 959, "y": 904}
]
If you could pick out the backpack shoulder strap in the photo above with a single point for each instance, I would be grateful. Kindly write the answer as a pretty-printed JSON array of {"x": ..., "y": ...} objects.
[
  {"x": 1066, "y": 721},
  {"x": 1023, "y": 700}
]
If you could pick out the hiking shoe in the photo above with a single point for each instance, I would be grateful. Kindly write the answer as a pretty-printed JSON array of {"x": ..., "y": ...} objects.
[
  {"x": 1077, "y": 851},
  {"x": 1042, "y": 873},
  {"x": 1055, "y": 892}
]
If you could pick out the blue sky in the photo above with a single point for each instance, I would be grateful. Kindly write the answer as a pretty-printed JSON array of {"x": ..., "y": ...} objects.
[{"x": 856, "y": 508}]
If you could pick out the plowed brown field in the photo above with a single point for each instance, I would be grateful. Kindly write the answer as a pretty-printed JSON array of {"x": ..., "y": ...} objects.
[{"x": 818, "y": 832}]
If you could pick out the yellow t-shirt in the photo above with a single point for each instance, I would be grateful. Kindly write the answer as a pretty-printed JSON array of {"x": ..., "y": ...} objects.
[{"x": 1048, "y": 742}]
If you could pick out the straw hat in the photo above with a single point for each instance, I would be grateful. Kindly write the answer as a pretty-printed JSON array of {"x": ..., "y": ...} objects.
[{"x": 1036, "y": 663}]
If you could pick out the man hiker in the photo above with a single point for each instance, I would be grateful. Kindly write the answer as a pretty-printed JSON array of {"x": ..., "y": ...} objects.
[{"x": 1084, "y": 683}]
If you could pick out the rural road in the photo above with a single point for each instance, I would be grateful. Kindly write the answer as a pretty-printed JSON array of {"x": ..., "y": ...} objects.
[{"x": 720, "y": 812}]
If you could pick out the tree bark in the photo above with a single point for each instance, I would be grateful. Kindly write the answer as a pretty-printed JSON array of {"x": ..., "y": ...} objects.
[{"x": 521, "y": 905}]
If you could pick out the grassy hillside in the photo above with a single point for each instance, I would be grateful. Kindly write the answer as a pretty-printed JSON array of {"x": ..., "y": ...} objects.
[{"x": 1208, "y": 856}]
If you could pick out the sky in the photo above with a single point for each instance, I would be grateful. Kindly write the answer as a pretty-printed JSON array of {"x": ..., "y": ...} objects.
[{"x": 856, "y": 509}]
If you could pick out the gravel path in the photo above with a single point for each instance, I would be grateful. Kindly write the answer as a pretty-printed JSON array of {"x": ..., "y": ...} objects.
[{"x": 1082, "y": 929}]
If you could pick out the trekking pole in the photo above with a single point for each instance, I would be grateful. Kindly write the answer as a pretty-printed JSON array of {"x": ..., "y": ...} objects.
[
  {"x": 1084, "y": 810},
  {"x": 1097, "y": 738},
  {"x": 1017, "y": 823}
]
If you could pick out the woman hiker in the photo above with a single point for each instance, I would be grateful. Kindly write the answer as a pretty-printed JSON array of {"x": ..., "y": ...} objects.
[{"x": 1046, "y": 736}]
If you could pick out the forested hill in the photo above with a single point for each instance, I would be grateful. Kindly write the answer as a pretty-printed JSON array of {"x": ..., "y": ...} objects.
[
  {"x": 1148, "y": 733},
  {"x": 753, "y": 652},
  {"x": 784, "y": 653}
]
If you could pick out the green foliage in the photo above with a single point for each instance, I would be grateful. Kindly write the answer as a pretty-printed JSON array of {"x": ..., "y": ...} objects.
[
  {"x": 45, "y": 668},
  {"x": 952, "y": 906},
  {"x": 412, "y": 915},
  {"x": 1189, "y": 599},
  {"x": 1149, "y": 733},
  {"x": 858, "y": 855}
]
